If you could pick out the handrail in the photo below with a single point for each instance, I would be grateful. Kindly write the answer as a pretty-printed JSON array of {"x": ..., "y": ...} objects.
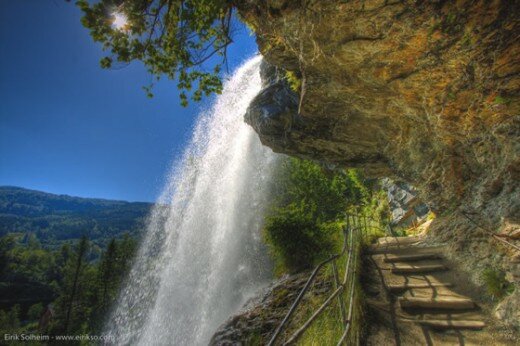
[
  {"x": 303, "y": 328},
  {"x": 350, "y": 306},
  {"x": 349, "y": 279},
  {"x": 351, "y": 301},
  {"x": 389, "y": 230},
  {"x": 305, "y": 288}
]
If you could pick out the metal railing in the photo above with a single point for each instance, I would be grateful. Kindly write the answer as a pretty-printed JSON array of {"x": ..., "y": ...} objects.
[
  {"x": 351, "y": 239},
  {"x": 388, "y": 230},
  {"x": 355, "y": 228}
]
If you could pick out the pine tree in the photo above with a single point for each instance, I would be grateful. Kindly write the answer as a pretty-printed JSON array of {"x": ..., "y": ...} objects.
[
  {"x": 13, "y": 317},
  {"x": 35, "y": 312},
  {"x": 7, "y": 243},
  {"x": 126, "y": 252},
  {"x": 79, "y": 264},
  {"x": 107, "y": 274}
]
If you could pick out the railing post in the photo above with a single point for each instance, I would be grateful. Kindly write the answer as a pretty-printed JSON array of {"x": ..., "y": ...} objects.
[
  {"x": 311, "y": 278},
  {"x": 340, "y": 296},
  {"x": 365, "y": 231},
  {"x": 349, "y": 281},
  {"x": 352, "y": 241},
  {"x": 390, "y": 230}
]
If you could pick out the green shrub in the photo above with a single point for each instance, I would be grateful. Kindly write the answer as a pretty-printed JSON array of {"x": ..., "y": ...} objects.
[
  {"x": 325, "y": 194},
  {"x": 35, "y": 312},
  {"x": 294, "y": 81},
  {"x": 496, "y": 283},
  {"x": 500, "y": 100},
  {"x": 295, "y": 239},
  {"x": 305, "y": 223}
]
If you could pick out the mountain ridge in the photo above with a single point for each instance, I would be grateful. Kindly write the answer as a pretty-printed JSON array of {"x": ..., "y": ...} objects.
[{"x": 54, "y": 218}]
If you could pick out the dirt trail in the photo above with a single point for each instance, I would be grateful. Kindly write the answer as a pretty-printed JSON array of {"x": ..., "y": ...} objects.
[{"x": 417, "y": 297}]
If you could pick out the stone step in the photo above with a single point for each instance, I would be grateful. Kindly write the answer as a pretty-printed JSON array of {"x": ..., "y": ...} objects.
[
  {"x": 417, "y": 269},
  {"x": 399, "y": 287},
  {"x": 393, "y": 258},
  {"x": 375, "y": 249},
  {"x": 401, "y": 249},
  {"x": 442, "y": 315},
  {"x": 398, "y": 240},
  {"x": 400, "y": 282},
  {"x": 447, "y": 303},
  {"x": 452, "y": 324}
]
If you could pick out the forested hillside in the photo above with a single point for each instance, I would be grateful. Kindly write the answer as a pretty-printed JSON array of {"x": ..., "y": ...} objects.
[
  {"x": 57, "y": 218},
  {"x": 59, "y": 291},
  {"x": 65, "y": 255}
]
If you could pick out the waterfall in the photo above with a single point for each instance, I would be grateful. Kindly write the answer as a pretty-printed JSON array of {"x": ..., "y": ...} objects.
[{"x": 202, "y": 256}]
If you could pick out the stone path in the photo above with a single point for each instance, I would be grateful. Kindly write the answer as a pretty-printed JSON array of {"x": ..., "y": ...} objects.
[{"x": 424, "y": 303}]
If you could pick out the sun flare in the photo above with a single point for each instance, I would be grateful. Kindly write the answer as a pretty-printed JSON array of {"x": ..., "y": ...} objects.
[{"x": 120, "y": 20}]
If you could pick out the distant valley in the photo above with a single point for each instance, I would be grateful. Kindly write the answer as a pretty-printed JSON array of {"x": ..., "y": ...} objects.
[{"x": 55, "y": 219}]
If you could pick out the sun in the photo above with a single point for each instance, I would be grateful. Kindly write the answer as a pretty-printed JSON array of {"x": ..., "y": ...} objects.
[{"x": 120, "y": 21}]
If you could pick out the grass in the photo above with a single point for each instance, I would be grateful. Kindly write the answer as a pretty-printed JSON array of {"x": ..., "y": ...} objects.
[
  {"x": 254, "y": 339},
  {"x": 374, "y": 230},
  {"x": 451, "y": 18},
  {"x": 496, "y": 284},
  {"x": 500, "y": 100},
  {"x": 328, "y": 328},
  {"x": 310, "y": 242}
]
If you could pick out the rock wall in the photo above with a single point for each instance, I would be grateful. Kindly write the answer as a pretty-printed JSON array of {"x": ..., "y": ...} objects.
[{"x": 422, "y": 91}]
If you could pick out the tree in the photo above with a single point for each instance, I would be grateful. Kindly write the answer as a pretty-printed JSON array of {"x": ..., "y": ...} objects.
[
  {"x": 78, "y": 268},
  {"x": 125, "y": 254},
  {"x": 304, "y": 224},
  {"x": 173, "y": 38},
  {"x": 80, "y": 288},
  {"x": 13, "y": 317},
  {"x": 35, "y": 312},
  {"x": 317, "y": 191},
  {"x": 32, "y": 241},
  {"x": 9, "y": 320},
  {"x": 107, "y": 274},
  {"x": 7, "y": 243}
]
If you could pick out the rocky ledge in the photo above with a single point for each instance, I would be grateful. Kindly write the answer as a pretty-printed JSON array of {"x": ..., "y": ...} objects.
[
  {"x": 421, "y": 91},
  {"x": 255, "y": 324}
]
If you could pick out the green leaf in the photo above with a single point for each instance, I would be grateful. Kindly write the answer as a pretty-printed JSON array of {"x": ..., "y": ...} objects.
[{"x": 172, "y": 38}]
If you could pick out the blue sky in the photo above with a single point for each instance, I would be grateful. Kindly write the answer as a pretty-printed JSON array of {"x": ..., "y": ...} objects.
[{"x": 68, "y": 126}]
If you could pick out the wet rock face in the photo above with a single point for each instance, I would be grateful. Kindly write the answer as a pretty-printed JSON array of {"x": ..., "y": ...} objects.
[
  {"x": 273, "y": 111},
  {"x": 260, "y": 317},
  {"x": 274, "y": 116},
  {"x": 424, "y": 91}
]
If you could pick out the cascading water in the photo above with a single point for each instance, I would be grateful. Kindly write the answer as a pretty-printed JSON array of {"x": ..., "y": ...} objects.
[{"x": 202, "y": 256}]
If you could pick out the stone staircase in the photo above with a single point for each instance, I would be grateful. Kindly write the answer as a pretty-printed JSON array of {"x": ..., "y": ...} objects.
[{"x": 421, "y": 286}]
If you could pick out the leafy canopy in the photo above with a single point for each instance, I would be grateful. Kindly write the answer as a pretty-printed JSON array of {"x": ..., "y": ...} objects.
[{"x": 173, "y": 38}]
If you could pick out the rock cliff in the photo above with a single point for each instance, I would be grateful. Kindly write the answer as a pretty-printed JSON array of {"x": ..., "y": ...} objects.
[{"x": 421, "y": 91}]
